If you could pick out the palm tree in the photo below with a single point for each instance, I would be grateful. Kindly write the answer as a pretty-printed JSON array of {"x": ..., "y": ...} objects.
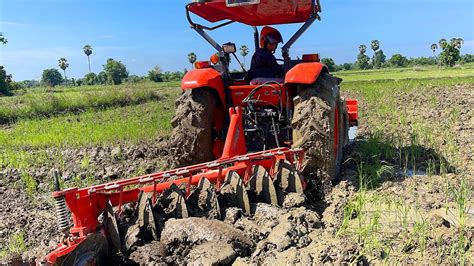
[
  {"x": 88, "y": 51},
  {"x": 454, "y": 41},
  {"x": 3, "y": 40},
  {"x": 362, "y": 48},
  {"x": 192, "y": 58},
  {"x": 375, "y": 45},
  {"x": 443, "y": 43},
  {"x": 63, "y": 64},
  {"x": 244, "y": 51},
  {"x": 434, "y": 47},
  {"x": 459, "y": 43}
]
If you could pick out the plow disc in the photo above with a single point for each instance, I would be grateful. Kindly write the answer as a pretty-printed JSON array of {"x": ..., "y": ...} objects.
[
  {"x": 203, "y": 202},
  {"x": 111, "y": 227},
  {"x": 288, "y": 177},
  {"x": 114, "y": 218},
  {"x": 91, "y": 251},
  {"x": 234, "y": 192},
  {"x": 261, "y": 184}
]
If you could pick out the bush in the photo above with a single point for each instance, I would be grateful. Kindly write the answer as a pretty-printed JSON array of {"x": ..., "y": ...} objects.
[
  {"x": 16, "y": 86},
  {"x": 102, "y": 78},
  {"x": 422, "y": 61},
  {"x": 51, "y": 77},
  {"x": 89, "y": 79},
  {"x": 398, "y": 60},
  {"x": 115, "y": 71},
  {"x": 5, "y": 82},
  {"x": 450, "y": 55},
  {"x": 155, "y": 74},
  {"x": 467, "y": 58},
  {"x": 133, "y": 79},
  {"x": 363, "y": 62},
  {"x": 345, "y": 66},
  {"x": 172, "y": 76},
  {"x": 379, "y": 59},
  {"x": 329, "y": 62},
  {"x": 29, "y": 83}
]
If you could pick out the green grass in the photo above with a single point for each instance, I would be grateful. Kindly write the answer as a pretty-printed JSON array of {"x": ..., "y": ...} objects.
[
  {"x": 129, "y": 124},
  {"x": 461, "y": 193},
  {"x": 406, "y": 73},
  {"x": 40, "y": 102},
  {"x": 24, "y": 144},
  {"x": 391, "y": 121},
  {"x": 15, "y": 246},
  {"x": 29, "y": 184},
  {"x": 400, "y": 136},
  {"x": 139, "y": 85}
]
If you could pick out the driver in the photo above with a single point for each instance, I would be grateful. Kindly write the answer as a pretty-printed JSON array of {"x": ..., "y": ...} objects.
[{"x": 264, "y": 63}]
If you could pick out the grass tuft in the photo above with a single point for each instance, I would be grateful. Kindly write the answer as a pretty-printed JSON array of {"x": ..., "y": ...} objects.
[{"x": 16, "y": 245}]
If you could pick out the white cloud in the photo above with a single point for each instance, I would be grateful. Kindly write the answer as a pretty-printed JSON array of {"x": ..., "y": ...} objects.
[{"x": 12, "y": 24}]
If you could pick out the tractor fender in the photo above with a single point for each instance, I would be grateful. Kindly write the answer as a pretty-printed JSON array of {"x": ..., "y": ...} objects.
[
  {"x": 204, "y": 78},
  {"x": 305, "y": 73}
]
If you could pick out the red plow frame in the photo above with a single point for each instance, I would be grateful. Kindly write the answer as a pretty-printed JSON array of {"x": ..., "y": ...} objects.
[{"x": 87, "y": 204}]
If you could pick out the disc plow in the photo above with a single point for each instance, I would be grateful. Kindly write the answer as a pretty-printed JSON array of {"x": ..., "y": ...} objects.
[{"x": 204, "y": 190}]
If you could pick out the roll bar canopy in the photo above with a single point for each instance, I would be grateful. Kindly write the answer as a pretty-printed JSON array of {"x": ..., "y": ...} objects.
[
  {"x": 253, "y": 13},
  {"x": 256, "y": 12}
]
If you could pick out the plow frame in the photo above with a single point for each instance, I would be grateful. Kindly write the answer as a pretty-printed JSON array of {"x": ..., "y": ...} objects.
[{"x": 87, "y": 204}]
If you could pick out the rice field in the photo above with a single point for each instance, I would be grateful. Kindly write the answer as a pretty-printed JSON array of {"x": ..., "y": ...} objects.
[{"x": 413, "y": 149}]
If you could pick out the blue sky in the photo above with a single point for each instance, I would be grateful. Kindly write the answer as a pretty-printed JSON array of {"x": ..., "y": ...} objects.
[{"x": 145, "y": 33}]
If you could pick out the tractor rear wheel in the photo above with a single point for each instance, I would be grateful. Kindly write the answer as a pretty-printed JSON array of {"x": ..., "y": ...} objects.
[
  {"x": 318, "y": 128},
  {"x": 191, "y": 141}
]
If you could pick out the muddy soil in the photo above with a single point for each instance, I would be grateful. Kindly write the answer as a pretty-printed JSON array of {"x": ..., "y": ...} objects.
[
  {"x": 35, "y": 220},
  {"x": 32, "y": 215},
  {"x": 306, "y": 230}
]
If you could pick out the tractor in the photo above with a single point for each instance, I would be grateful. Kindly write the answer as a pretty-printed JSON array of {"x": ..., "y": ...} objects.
[{"x": 234, "y": 142}]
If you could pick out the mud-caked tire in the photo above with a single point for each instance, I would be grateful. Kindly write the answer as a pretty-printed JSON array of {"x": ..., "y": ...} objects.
[
  {"x": 317, "y": 123},
  {"x": 191, "y": 141}
]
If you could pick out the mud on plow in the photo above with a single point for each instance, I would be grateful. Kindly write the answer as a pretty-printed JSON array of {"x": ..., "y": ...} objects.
[{"x": 104, "y": 223}]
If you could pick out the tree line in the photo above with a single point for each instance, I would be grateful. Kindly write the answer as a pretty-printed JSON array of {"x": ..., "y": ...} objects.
[
  {"x": 115, "y": 72},
  {"x": 449, "y": 56}
]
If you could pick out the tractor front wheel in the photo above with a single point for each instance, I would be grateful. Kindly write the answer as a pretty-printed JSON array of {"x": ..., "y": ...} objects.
[
  {"x": 318, "y": 128},
  {"x": 191, "y": 141}
]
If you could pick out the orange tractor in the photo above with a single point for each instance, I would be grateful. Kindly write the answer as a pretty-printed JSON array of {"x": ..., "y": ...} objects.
[{"x": 233, "y": 143}]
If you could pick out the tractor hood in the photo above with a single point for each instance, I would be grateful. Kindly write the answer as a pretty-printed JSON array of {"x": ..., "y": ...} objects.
[{"x": 254, "y": 12}]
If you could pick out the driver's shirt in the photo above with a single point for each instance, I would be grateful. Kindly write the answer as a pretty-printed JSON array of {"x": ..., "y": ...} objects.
[{"x": 264, "y": 65}]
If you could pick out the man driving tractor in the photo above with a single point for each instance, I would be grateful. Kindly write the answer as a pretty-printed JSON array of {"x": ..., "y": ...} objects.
[{"x": 264, "y": 63}]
